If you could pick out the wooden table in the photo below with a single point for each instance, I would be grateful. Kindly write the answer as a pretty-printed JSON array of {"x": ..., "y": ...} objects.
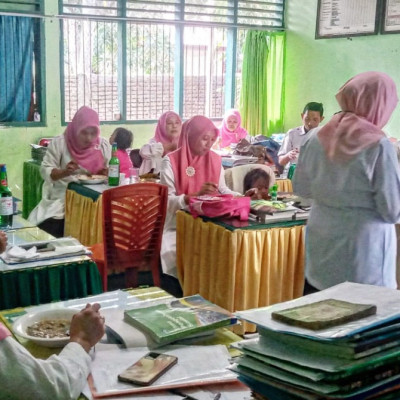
[{"x": 240, "y": 267}]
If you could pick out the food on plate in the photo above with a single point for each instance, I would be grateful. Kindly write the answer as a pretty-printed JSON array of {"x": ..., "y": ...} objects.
[
  {"x": 50, "y": 328},
  {"x": 91, "y": 177}
]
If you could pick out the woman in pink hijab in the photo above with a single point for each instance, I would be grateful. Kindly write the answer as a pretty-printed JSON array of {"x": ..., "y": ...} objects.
[
  {"x": 165, "y": 140},
  {"x": 192, "y": 170},
  {"x": 80, "y": 150},
  {"x": 349, "y": 169},
  {"x": 231, "y": 131}
]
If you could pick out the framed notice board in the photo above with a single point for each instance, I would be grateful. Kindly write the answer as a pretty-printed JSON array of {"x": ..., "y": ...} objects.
[
  {"x": 391, "y": 16},
  {"x": 344, "y": 18}
]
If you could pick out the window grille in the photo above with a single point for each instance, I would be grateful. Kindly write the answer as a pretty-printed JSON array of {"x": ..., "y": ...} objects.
[
  {"x": 127, "y": 54},
  {"x": 150, "y": 70},
  {"x": 90, "y": 67},
  {"x": 204, "y": 71}
]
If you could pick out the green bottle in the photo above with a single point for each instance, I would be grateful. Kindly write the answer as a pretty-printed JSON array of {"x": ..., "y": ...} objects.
[
  {"x": 6, "y": 200},
  {"x": 113, "y": 167}
]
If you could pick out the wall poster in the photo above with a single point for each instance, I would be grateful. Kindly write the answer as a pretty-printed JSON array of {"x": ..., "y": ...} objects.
[{"x": 343, "y": 18}]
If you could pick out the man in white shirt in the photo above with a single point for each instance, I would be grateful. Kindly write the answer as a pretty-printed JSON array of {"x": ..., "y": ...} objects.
[{"x": 311, "y": 116}]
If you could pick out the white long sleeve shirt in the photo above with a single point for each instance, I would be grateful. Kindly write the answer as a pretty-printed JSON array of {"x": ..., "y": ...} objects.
[{"x": 23, "y": 376}]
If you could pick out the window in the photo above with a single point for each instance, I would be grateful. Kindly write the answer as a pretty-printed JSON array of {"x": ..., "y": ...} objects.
[
  {"x": 21, "y": 58},
  {"x": 132, "y": 60}
]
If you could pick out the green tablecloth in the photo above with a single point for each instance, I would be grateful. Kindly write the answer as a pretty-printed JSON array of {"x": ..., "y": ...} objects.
[
  {"x": 32, "y": 187},
  {"x": 31, "y": 286}
]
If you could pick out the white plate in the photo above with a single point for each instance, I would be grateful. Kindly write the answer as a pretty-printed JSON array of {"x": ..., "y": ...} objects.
[
  {"x": 91, "y": 180},
  {"x": 21, "y": 325}
]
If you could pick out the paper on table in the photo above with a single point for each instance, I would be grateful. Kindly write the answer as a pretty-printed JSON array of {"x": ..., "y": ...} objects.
[
  {"x": 197, "y": 365},
  {"x": 16, "y": 253},
  {"x": 62, "y": 247},
  {"x": 386, "y": 300}
]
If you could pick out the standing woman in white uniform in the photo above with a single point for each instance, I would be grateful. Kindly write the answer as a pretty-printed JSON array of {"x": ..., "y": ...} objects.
[
  {"x": 350, "y": 170},
  {"x": 79, "y": 148}
]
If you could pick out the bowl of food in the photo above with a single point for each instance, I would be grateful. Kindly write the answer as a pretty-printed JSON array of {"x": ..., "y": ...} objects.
[{"x": 49, "y": 328}]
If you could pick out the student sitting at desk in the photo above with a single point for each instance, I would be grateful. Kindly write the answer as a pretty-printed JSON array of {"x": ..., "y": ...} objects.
[
  {"x": 231, "y": 130},
  {"x": 192, "y": 170},
  {"x": 80, "y": 148},
  {"x": 312, "y": 116},
  {"x": 59, "y": 377},
  {"x": 165, "y": 140},
  {"x": 124, "y": 138}
]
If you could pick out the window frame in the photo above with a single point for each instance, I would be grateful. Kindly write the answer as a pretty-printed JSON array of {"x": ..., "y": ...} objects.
[
  {"x": 180, "y": 22},
  {"x": 33, "y": 9}
]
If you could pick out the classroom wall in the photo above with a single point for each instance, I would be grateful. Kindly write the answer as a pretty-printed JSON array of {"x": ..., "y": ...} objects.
[{"x": 316, "y": 69}]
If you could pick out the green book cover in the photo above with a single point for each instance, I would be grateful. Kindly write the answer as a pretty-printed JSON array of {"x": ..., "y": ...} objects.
[
  {"x": 179, "y": 318},
  {"x": 324, "y": 314}
]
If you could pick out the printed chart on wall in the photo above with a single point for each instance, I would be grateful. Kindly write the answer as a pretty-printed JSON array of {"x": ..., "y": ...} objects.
[
  {"x": 391, "y": 23},
  {"x": 343, "y": 18}
]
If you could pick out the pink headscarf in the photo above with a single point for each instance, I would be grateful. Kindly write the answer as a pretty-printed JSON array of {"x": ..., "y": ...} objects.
[
  {"x": 161, "y": 135},
  {"x": 367, "y": 102},
  {"x": 227, "y": 136},
  {"x": 89, "y": 157},
  {"x": 4, "y": 332},
  {"x": 206, "y": 168}
]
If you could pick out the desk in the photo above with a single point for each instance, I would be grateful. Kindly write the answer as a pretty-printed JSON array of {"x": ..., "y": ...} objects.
[
  {"x": 117, "y": 301},
  {"x": 48, "y": 280},
  {"x": 240, "y": 268},
  {"x": 83, "y": 213},
  {"x": 32, "y": 187}
]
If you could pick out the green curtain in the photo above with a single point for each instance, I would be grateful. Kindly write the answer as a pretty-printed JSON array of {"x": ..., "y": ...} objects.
[{"x": 262, "y": 92}]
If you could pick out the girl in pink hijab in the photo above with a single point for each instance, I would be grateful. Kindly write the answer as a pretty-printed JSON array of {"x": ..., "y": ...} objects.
[
  {"x": 349, "y": 169},
  {"x": 165, "y": 140},
  {"x": 80, "y": 150},
  {"x": 231, "y": 131},
  {"x": 191, "y": 170}
]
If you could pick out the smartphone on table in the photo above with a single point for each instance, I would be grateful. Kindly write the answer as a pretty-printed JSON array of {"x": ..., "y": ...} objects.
[{"x": 148, "y": 369}]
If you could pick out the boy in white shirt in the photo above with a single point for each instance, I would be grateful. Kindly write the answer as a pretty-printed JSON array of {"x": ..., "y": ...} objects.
[{"x": 311, "y": 116}]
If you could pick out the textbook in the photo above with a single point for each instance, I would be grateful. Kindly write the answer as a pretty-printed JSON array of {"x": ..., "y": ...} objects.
[
  {"x": 350, "y": 349},
  {"x": 324, "y": 314},
  {"x": 179, "y": 318}
]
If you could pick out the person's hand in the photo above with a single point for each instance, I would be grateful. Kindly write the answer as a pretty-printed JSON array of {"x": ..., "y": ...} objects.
[
  {"x": 3, "y": 241},
  {"x": 293, "y": 154},
  {"x": 71, "y": 167},
  {"x": 252, "y": 193},
  {"x": 103, "y": 171},
  {"x": 87, "y": 326},
  {"x": 168, "y": 147},
  {"x": 208, "y": 188}
]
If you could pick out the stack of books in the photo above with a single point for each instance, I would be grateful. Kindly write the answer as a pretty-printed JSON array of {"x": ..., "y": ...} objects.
[
  {"x": 340, "y": 343},
  {"x": 178, "y": 319}
]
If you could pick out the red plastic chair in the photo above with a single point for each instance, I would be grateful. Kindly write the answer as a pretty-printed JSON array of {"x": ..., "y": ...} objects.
[{"x": 133, "y": 222}]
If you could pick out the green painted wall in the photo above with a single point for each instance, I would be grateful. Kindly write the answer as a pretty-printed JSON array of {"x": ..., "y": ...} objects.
[{"x": 316, "y": 69}]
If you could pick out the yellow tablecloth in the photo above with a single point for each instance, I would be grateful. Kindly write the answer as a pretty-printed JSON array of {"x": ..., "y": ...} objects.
[
  {"x": 284, "y": 185},
  {"x": 240, "y": 269},
  {"x": 83, "y": 218}
]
